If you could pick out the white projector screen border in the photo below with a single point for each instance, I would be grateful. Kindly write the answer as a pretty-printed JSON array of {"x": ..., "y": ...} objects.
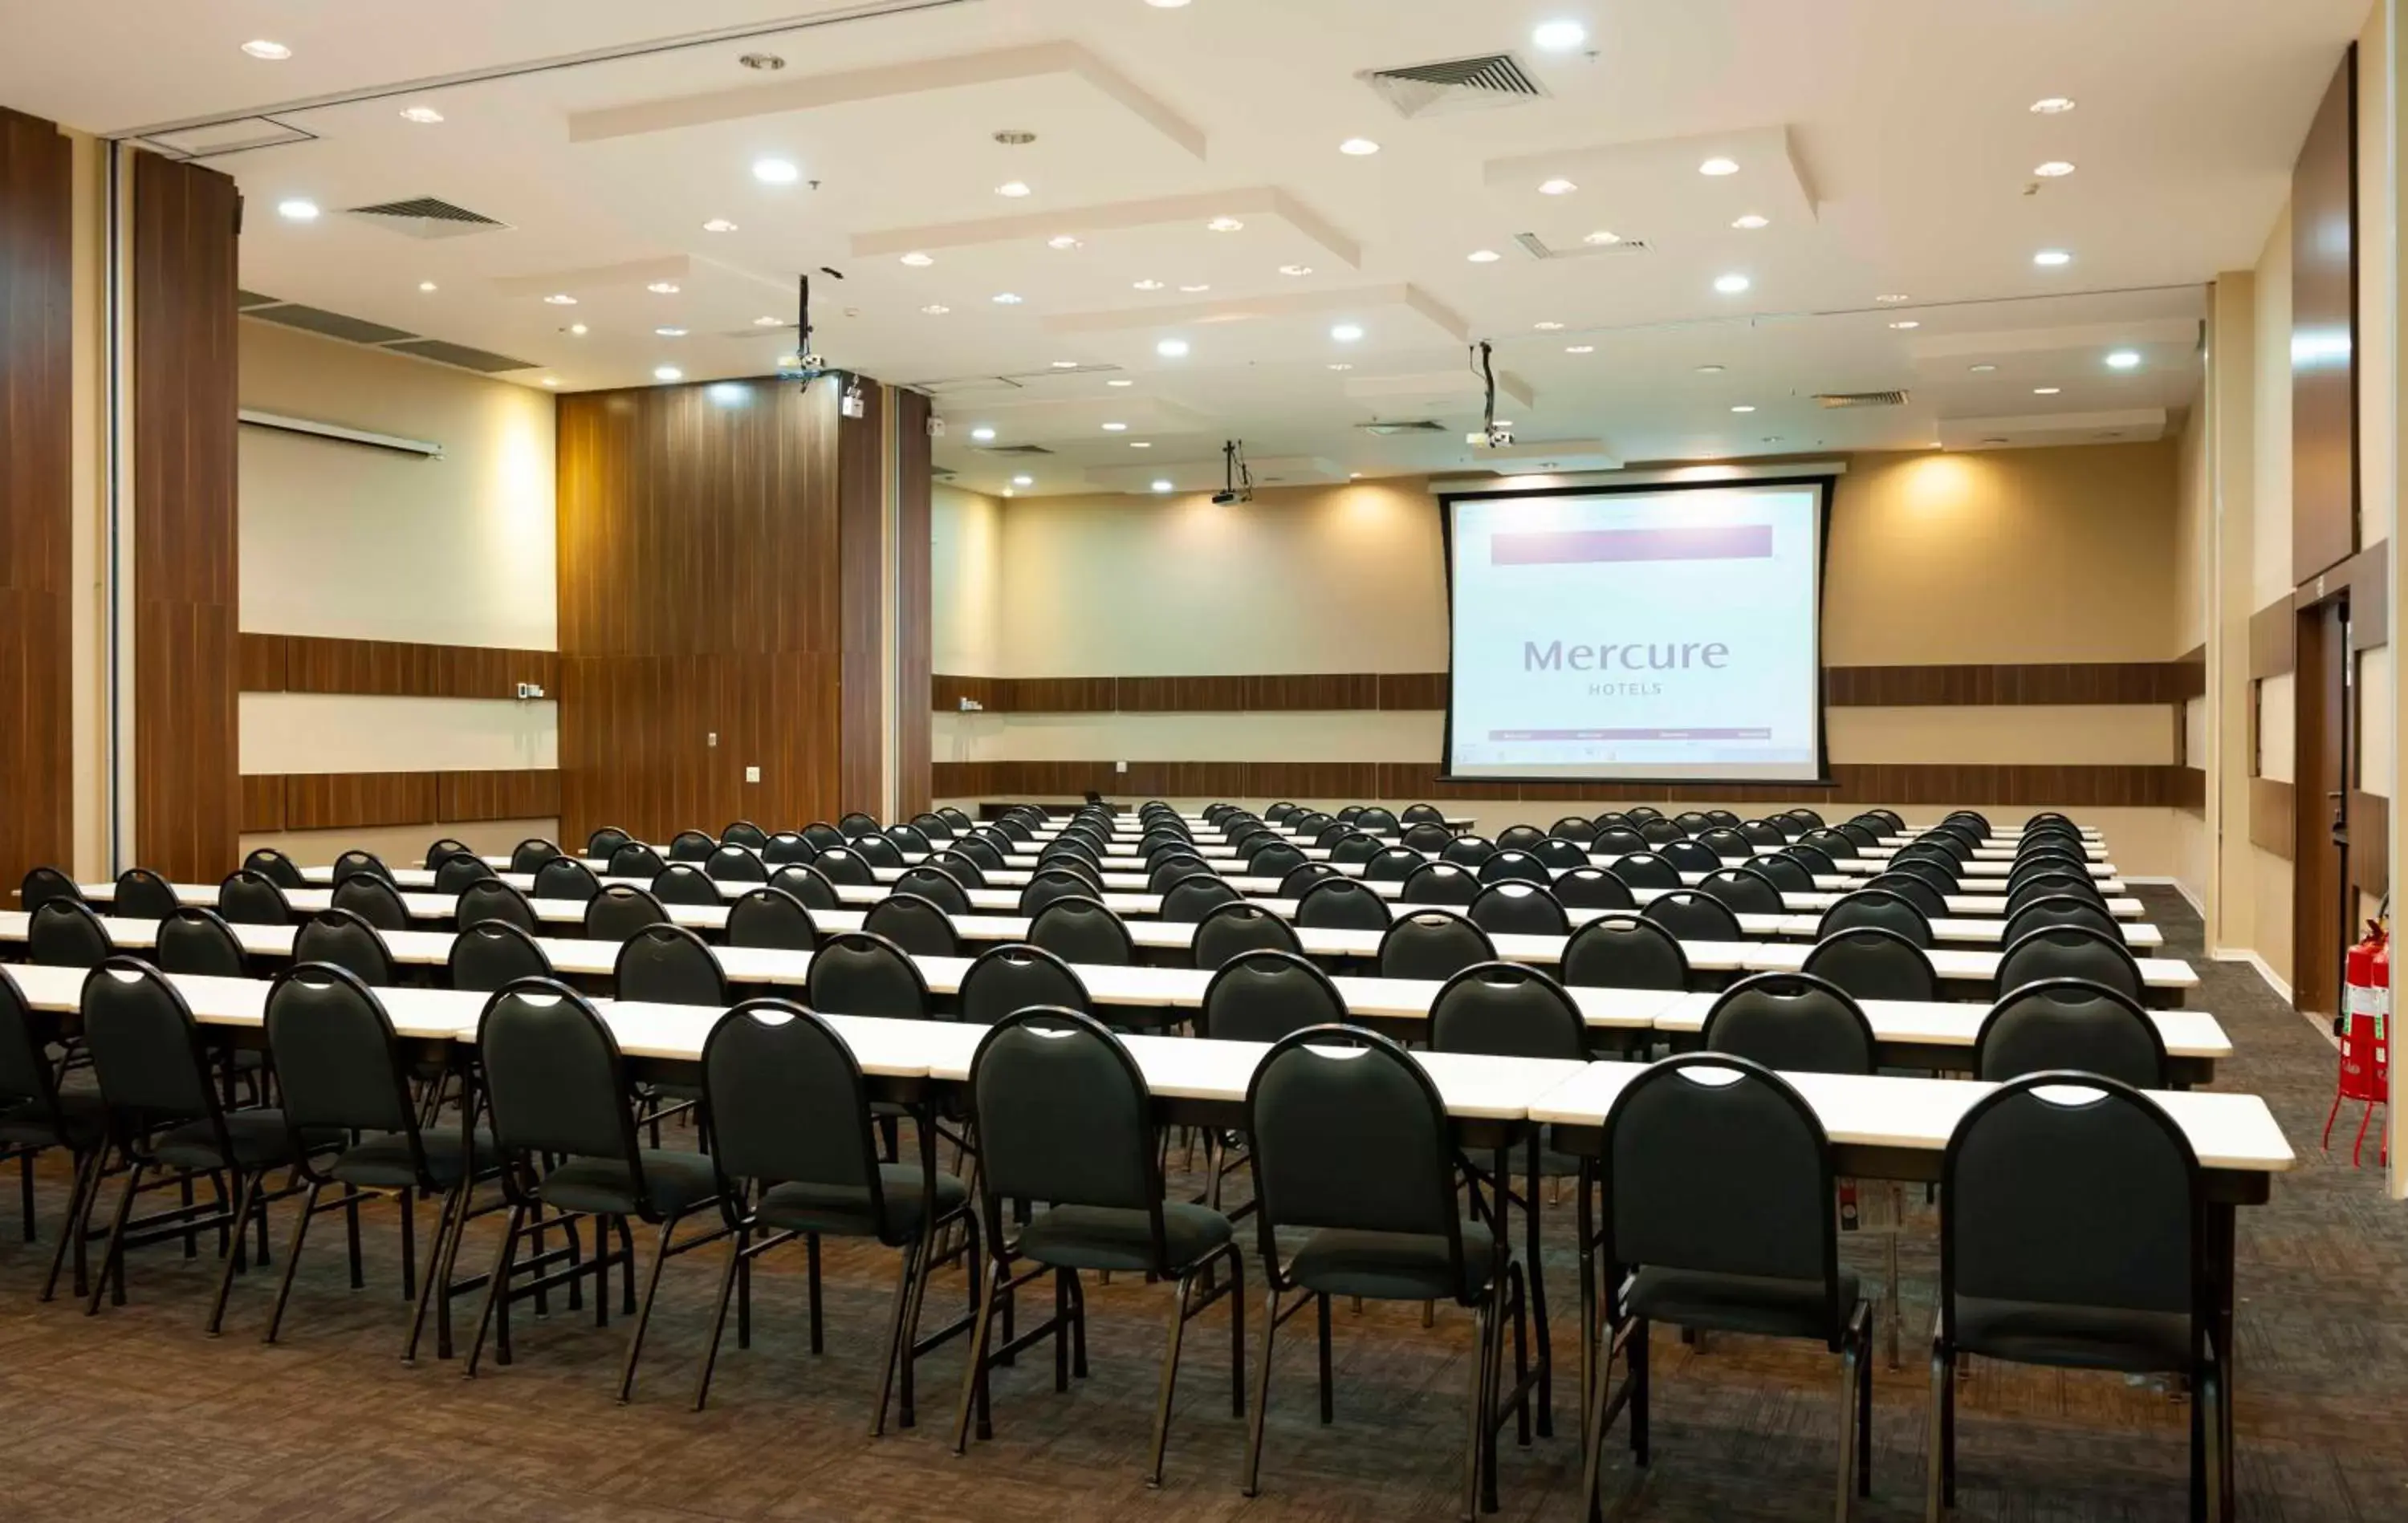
[{"x": 1820, "y": 480}]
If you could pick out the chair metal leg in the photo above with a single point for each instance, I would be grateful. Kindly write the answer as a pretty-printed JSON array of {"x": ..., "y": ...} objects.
[
  {"x": 975, "y": 1375},
  {"x": 436, "y": 1281},
  {"x": 1262, "y": 1385},
  {"x": 351, "y": 1238},
  {"x": 87, "y": 1181},
  {"x": 25, "y": 1190},
  {"x": 1894, "y": 1321},
  {"x": 718, "y": 1322},
  {"x": 1061, "y": 1329},
  {"x": 494, "y": 1287},
  {"x": 1522, "y": 1362},
  {"x": 1483, "y": 1321},
  {"x": 1850, "y": 1357},
  {"x": 1169, "y": 1378},
  {"x": 1636, "y": 1357},
  {"x": 899, "y": 1334},
  {"x": 644, "y": 1312},
  {"x": 626, "y": 1267},
  {"x": 246, "y": 1200},
  {"x": 410, "y": 1243},
  {"x": 1865, "y": 1424},
  {"x": 1236, "y": 1332},
  {"x": 812, "y": 1271},
  {"x": 114, "y": 1253},
  {"x": 1321, "y": 1330},
  {"x": 291, "y": 1261}
]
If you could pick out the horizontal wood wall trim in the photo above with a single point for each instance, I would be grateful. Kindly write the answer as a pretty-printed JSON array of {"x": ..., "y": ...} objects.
[
  {"x": 389, "y": 668},
  {"x": 2190, "y": 791},
  {"x": 319, "y": 801},
  {"x": 2269, "y": 815},
  {"x": 2272, "y": 634},
  {"x": 1854, "y": 687},
  {"x": 2369, "y": 845},
  {"x": 2367, "y": 579},
  {"x": 2194, "y": 669},
  {"x": 2093, "y": 787}
]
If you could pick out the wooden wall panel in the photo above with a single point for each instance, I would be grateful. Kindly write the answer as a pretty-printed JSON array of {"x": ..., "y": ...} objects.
[
  {"x": 2324, "y": 332},
  {"x": 36, "y": 393},
  {"x": 188, "y": 799},
  {"x": 2095, "y": 682},
  {"x": 2273, "y": 640},
  {"x": 861, "y": 550},
  {"x": 2369, "y": 845},
  {"x": 2269, "y": 815},
  {"x": 914, "y": 600},
  {"x": 531, "y": 794},
  {"x": 390, "y": 668},
  {"x": 263, "y": 803},
  {"x": 321, "y": 801}
]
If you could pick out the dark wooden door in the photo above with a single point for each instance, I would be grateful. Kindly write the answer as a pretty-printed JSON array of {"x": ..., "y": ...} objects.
[{"x": 2320, "y": 917}]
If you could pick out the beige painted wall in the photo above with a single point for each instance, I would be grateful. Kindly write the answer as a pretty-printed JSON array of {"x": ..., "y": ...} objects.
[
  {"x": 329, "y": 732},
  {"x": 2269, "y": 502},
  {"x": 401, "y": 846},
  {"x": 966, "y": 583}
]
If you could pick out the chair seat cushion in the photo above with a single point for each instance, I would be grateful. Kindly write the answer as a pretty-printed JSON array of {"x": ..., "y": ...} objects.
[
  {"x": 1395, "y": 1266},
  {"x": 81, "y": 1122},
  {"x": 843, "y": 1210},
  {"x": 2084, "y": 1337},
  {"x": 1106, "y": 1237},
  {"x": 258, "y": 1139},
  {"x": 674, "y": 1184},
  {"x": 381, "y": 1161},
  {"x": 1774, "y": 1308}
]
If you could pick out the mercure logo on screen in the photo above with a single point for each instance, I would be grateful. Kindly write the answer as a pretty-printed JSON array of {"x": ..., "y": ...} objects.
[{"x": 1555, "y": 656}]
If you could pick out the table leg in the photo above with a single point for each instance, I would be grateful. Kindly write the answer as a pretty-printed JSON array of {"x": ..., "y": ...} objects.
[{"x": 1537, "y": 1287}]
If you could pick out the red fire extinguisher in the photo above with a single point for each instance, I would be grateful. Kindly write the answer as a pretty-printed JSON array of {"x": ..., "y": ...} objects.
[{"x": 2366, "y": 1036}]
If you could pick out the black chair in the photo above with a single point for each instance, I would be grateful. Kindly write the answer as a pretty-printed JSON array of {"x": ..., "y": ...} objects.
[
  {"x": 636, "y": 860},
  {"x": 273, "y": 865},
  {"x": 1191, "y": 898},
  {"x": 1763, "y": 835},
  {"x": 1876, "y": 906},
  {"x": 919, "y": 926},
  {"x": 859, "y": 973},
  {"x": 743, "y": 832},
  {"x": 1075, "y": 847},
  {"x": 1691, "y": 915},
  {"x": 2056, "y": 1159},
  {"x": 1353, "y": 1159},
  {"x": 2070, "y": 1024},
  {"x": 1915, "y": 889},
  {"x": 1516, "y": 908},
  {"x": 565, "y": 879},
  {"x": 1015, "y": 976},
  {"x": 444, "y": 850},
  {"x": 355, "y": 863},
  {"x": 2048, "y": 885},
  {"x": 1239, "y": 927},
  {"x": 960, "y": 821},
  {"x": 530, "y": 855},
  {"x": 981, "y": 853},
  {"x": 1726, "y": 844},
  {"x": 734, "y": 864},
  {"x": 490, "y": 954},
  {"x": 771, "y": 918},
  {"x": 141, "y": 894},
  {"x": 342, "y": 939},
  {"x": 684, "y": 883},
  {"x": 856, "y": 825},
  {"x": 1084, "y": 931},
  {"x": 1514, "y": 864},
  {"x": 1574, "y": 829},
  {"x": 1170, "y": 868},
  {"x": 1617, "y": 841},
  {"x": 936, "y": 885},
  {"x": 459, "y": 871},
  {"x": 1742, "y": 892},
  {"x": 910, "y": 839},
  {"x": 342, "y": 1074},
  {"x": 787, "y": 848},
  {"x": 1785, "y": 873},
  {"x": 1645, "y": 870},
  {"x": 1817, "y": 862},
  {"x": 1264, "y": 994},
  {"x": 1558, "y": 855},
  {"x": 1048, "y": 884},
  {"x": 963, "y": 868},
  {"x": 374, "y": 900},
  {"x": 1434, "y": 945},
  {"x": 66, "y": 934},
  {"x": 1467, "y": 850},
  {"x": 2059, "y": 909},
  {"x": 1273, "y": 859},
  {"x": 1873, "y": 962},
  {"x": 1421, "y": 814},
  {"x": 1439, "y": 883},
  {"x": 1358, "y": 848},
  {"x": 1063, "y": 1117},
  {"x": 557, "y": 1087},
  {"x": 1625, "y": 951},
  {"x": 1659, "y": 831},
  {"x": 1693, "y": 821},
  {"x": 2069, "y": 951},
  {"x": 797, "y": 1157},
  {"x": 195, "y": 941},
  {"x": 1792, "y": 1022},
  {"x": 1301, "y": 878},
  {"x": 668, "y": 964},
  {"x": 494, "y": 900},
  {"x": 1378, "y": 821},
  {"x": 620, "y": 911},
  {"x": 1425, "y": 837},
  {"x": 808, "y": 884},
  {"x": 1509, "y": 1010},
  {"x": 249, "y": 897},
  {"x": 35, "y": 1115},
  {"x": 692, "y": 847},
  {"x": 164, "y": 1118},
  {"x": 1342, "y": 904},
  {"x": 1592, "y": 888},
  {"x": 1519, "y": 837},
  {"x": 1806, "y": 819},
  {"x": 1720, "y": 1215},
  {"x": 606, "y": 841},
  {"x": 1830, "y": 843}
]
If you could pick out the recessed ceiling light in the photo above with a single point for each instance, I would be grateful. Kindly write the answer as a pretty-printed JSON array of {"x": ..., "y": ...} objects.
[
  {"x": 1061, "y": 240},
  {"x": 936, "y": 309},
  {"x": 1710, "y": 370},
  {"x": 425, "y": 116},
  {"x": 552, "y": 381},
  {"x": 2054, "y": 169},
  {"x": 2046, "y": 391},
  {"x": 1224, "y": 225},
  {"x": 1340, "y": 365},
  {"x": 1162, "y": 486},
  {"x": 2053, "y": 105},
  {"x": 576, "y": 329},
  {"x": 768, "y": 323},
  {"x": 1719, "y": 166},
  {"x": 1744, "y": 407},
  {"x": 1907, "y": 322},
  {"x": 1116, "y": 428},
  {"x": 2051, "y": 258},
  {"x": 1023, "y": 481},
  {"x": 1892, "y": 298},
  {"x": 1007, "y": 491},
  {"x": 1731, "y": 285},
  {"x": 275, "y": 52},
  {"x": 1167, "y": 4},
  {"x": 919, "y": 261},
  {"x": 1353, "y": 476},
  {"x": 1296, "y": 269},
  {"x": 671, "y": 332},
  {"x": 1504, "y": 422},
  {"x": 1560, "y": 36},
  {"x": 1484, "y": 256},
  {"x": 2124, "y": 360},
  {"x": 1359, "y": 147},
  {"x": 297, "y": 210},
  {"x": 1346, "y": 333},
  {"x": 1194, "y": 288},
  {"x": 1557, "y": 187},
  {"x": 668, "y": 373},
  {"x": 1548, "y": 327},
  {"x": 1120, "y": 383},
  {"x": 1981, "y": 370},
  {"x": 426, "y": 285},
  {"x": 1066, "y": 364},
  {"x": 1148, "y": 284},
  {"x": 1750, "y": 222},
  {"x": 1172, "y": 349},
  {"x": 982, "y": 436},
  {"x": 1014, "y": 189},
  {"x": 561, "y": 298},
  {"x": 1006, "y": 298},
  {"x": 662, "y": 288},
  {"x": 1141, "y": 444},
  {"x": 1600, "y": 238},
  {"x": 1580, "y": 349},
  {"x": 776, "y": 171},
  {"x": 718, "y": 224}
]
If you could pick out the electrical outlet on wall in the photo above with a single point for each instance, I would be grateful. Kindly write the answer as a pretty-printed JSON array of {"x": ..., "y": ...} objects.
[
  {"x": 752, "y": 774},
  {"x": 1120, "y": 766},
  {"x": 711, "y": 739}
]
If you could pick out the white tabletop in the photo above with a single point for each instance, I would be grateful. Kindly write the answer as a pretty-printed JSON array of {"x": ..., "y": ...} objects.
[{"x": 1945, "y": 1023}]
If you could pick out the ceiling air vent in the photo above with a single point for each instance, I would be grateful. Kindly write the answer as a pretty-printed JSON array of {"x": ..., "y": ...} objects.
[
  {"x": 1861, "y": 399},
  {"x": 1416, "y": 425},
  {"x": 1012, "y": 450},
  {"x": 317, "y": 319},
  {"x": 462, "y": 355},
  {"x": 1538, "y": 248},
  {"x": 1455, "y": 84},
  {"x": 426, "y": 217}
]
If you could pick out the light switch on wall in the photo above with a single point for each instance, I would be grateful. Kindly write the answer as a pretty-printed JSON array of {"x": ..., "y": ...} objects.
[
  {"x": 1120, "y": 766},
  {"x": 752, "y": 774},
  {"x": 711, "y": 739}
]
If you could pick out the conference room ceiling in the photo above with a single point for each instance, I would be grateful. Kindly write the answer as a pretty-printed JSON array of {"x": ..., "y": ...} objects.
[{"x": 1888, "y": 144}]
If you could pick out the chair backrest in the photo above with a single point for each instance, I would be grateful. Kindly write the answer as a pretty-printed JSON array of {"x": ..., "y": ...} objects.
[
  {"x": 2059, "y": 909},
  {"x": 343, "y": 939},
  {"x": 1645, "y": 870},
  {"x": 978, "y": 850},
  {"x": 66, "y": 934},
  {"x": 1691, "y": 915},
  {"x": 1592, "y": 888},
  {"x": 1427, "y": 835},
  {"x": 1515, "y": 908},
  {"x": 1063, "y": 1115},
  {"x": 1510, "y": 1010},
  {"x": 555, "y": 1079},
  {"x": 1239, "y": 926},
  {"x": 1558, "y": 855},
  {"x": 1876, "y": 906},
  {"x": 808, "y": 884},
  {"x": 1574, "y": 829},
  {"x": 1421, "y": 814},
  {"x": 743, "y": 832},
  {"x": 1439, "y": 883},
  {"x": 274, "y": 866},
  {"x": 1786, "y": 874},
  {"x": 2069, "y": 951},
  {"x": 1617, "y": 841},
  {"x": 494, "y": 900},
  {"x": 668, "y": 964},
  {"x": 356, "y": 863},
  {"x": 146, "y": 1049},
  {"x": 859, "y": 973},
  {"x": 636, "y": 860},
  {"x": 935, "y": 826},
  {"x": 1693, "y": 821},
  {"x": 1873, "y": 962},
  {"x": 1806, "y": 819},
  {"x": 909, "y": 838},
  {"x": 1378, "y": 821},
  {"x": 1915, "y": 889},
  {"x": 1689, "y": 856},
  {"x": 1342, "y": 904},
  {"x": 692, "y": 847},
  {"x": 2050, "y": 885},
  {"x": 960, "y": 866},
  {"x": 1514, "y": 863},
  {"x": 2051, "y": 1159},
  {"x": 1080, "y": 930},
  {"x": 28, "y": 1078},
  {"x": 141, "y": 894},
  {"x": 856, "y": 825},
  {"x": 936, "y": 885},
  {"x": 787, "y": 1103},
  {"x": 956, "y": 817},
  {"x": 1170, "y": 867},
  {"x": 732, "y": 863},
  {"x": 1017, "y": 976},
  {"x": 195, "y": 940},
  {"x": 249, "y": 897},
  {"x": 621, "y": 910},
  {"x": 2070, "y": 1024},
  {"x": 1793, "y": 1022},
  {"x": 1625, "y": 951},
  {"x": 374, "y": 900},
  {"x": 457, "y": 872},
  {"x": 771, "y": 918},
  {"x": 603, "y": 842},
  {"x": 1519, "y": 837},
  {"x": 1188, "y": 900},
  {"x": 1301, "y": 878},
  {"x": 1433, "y": 943},
  {"x": 1467, "y": 850},
  {"x": 1715, "y": 1164},
  {"x": 566, "y": 877},
  {"x": 1358, "y": 848},
  {"x": 822, "y": 834},
  {"x": 530, "y": 855},
  {"x": 1816, "y": 862},
  {"x": 788, "y": 847},
  {"x": 487, "y": 955},
  {"x": 1264, "y": 994},
  {"x": 915, "y": 924},
  {"x": 1054, "y": 881},
  {"x": 1658, "y": 832},
  {"x": 1082, "y": 868},
  {"x": 1273, "y": 859},
  {"x": 684, "y": 883},
  {"x": 1742, "y": 892},
  {"x": 339, "y": 1065}
]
